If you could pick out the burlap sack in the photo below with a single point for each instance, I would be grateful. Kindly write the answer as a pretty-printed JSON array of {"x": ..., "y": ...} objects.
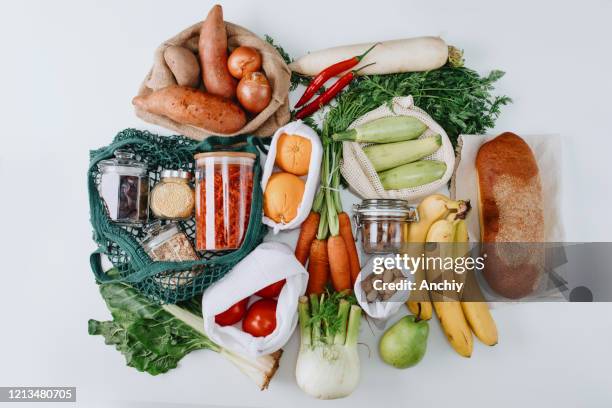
[
  {"x": 265, "y": 123},
  {"x": 361, "y": 176}
]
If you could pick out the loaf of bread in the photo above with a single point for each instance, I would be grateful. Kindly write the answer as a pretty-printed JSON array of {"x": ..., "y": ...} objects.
[{"x": 511, "y": 215}]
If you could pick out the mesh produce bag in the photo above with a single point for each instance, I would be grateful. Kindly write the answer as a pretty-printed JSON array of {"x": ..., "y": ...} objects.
[
  {"x": 166, "y": 282},
  {"x": 361, "y": 176},
  {"x": 264, "y": 123}
]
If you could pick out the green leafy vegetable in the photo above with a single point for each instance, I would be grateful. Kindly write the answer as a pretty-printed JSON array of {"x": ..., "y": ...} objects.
[
  {"x": 458, "y": 98},
  {"x": 154, "y": 338},
  {"x": 150, "y": 338}
]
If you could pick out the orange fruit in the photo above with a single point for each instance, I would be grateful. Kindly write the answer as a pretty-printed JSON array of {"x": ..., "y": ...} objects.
[
  {"x": 283, "y": 197},
  {"x": 293, "y": 154}
]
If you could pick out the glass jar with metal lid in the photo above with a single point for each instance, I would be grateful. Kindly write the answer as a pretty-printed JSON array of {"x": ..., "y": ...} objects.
[
  {"x": 382, "y": 224},
  {"x": 124, "y": 187},
  {"x": 173, "y": 198},
  {"x": 169, "y": 243}
]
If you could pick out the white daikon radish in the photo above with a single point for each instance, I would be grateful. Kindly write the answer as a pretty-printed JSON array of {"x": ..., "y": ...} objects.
[{"x": 407, "y": 55}]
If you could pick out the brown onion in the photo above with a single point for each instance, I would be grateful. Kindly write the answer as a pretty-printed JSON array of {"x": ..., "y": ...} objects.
[
  {"x": 254, "y": 92},
  {"x": 243, "y": 60}
]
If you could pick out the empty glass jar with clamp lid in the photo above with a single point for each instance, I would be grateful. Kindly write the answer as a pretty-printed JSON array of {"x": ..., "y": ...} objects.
[
  {"x": 124, "y": 187},
  {"x": 383, "y": 224}
]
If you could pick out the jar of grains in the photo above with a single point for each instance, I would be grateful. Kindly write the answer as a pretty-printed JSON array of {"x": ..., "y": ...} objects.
[
  {"x": 172, "y": 198},
  {"x": 169, "y": 243},
  {"x": 224, "y": 186}
]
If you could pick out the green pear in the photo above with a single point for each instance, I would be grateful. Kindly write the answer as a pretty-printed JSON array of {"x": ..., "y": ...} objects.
[{"x": 404, "y": 344}]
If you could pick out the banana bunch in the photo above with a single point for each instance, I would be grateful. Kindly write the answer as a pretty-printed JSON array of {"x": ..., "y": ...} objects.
[
  {"x": 457, "y": 318},
  {"x": 432, "y": 209}
]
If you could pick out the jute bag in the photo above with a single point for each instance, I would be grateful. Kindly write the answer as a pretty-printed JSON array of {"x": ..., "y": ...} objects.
[
  {"x": 361, "y": 176},
  {"x": 265, "y": 123}
]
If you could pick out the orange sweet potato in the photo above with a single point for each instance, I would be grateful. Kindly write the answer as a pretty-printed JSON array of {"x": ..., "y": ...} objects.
[{"x": 190, "y": 106}]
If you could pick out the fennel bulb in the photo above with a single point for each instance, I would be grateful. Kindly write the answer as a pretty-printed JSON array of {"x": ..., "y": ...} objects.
[{"x": 328, "y": 363}]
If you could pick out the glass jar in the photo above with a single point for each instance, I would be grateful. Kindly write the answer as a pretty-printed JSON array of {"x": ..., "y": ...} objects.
[
  {"x": 173, "y": 198},
  {"x": 382, "y": 224},
  {"x": 169, "y": 243},
  {"x": 224, "y": 186},
  {"x": 124, "y": 187}
]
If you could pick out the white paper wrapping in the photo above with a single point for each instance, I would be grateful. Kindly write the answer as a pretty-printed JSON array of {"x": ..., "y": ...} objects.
[
  {"x": 547, "y": 150},
  {"x": 380, "y": 311}
]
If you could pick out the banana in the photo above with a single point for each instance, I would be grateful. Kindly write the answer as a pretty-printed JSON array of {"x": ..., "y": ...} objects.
[
  {"x": 477, "y": 314},
  {"x": 433, "y": 208},
  {"x": 450, "y": 313}
]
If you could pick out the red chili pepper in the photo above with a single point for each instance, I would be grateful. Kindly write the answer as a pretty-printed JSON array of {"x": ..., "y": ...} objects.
[
  {"x": 329, "y": 94},
  {"x": 329, "y": 72}
]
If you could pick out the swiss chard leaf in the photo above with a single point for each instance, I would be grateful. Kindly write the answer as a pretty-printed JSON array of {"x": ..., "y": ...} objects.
[{"x": 150, "y": 338}]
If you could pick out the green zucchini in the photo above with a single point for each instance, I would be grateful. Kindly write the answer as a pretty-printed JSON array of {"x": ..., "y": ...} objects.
[
  {"x": 389, "y": 155},
  {"x": 384, "y": 130},
  {"x": 412, "y": 174}
]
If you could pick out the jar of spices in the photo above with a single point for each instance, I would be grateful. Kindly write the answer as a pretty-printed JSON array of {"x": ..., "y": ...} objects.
[
  {"x": 382, "y": 223},
  {"x": 224, "y": 186},
  {"x": 124, "y": 187},
  {"x": 173, "y": 198},
  {"x": 169, "y": 243}
]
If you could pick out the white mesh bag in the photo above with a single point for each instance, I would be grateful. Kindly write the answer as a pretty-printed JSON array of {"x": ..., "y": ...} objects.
[{"x": 361, "y": 176}]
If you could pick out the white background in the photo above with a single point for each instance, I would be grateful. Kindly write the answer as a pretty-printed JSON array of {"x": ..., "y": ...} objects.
[{"x": 69, "y": 71}]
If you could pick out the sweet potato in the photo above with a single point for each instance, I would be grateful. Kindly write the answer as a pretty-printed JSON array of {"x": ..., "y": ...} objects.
[
  {"x": 183, "y": 64},
  {"x": 193, "y": 107},
  {"x": 213, "y": 55}
]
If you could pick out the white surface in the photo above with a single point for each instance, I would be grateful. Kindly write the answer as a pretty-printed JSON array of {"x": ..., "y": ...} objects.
[{"x": 69, "y": 71}]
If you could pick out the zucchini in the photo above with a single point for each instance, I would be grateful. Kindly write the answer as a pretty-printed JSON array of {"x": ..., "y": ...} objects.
[
  {"x": 412, "y": 174},
  {"x": 389, "y": 155},
  {"x": 384, "y": 130}
]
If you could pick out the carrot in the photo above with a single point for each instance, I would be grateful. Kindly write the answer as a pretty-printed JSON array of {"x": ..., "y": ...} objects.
[
  {"x": 318, "y": 267},
  {"x": 339, "y": 265},
  {"x": 308, "y": 232},
  {"x": 346, "y": 232}
]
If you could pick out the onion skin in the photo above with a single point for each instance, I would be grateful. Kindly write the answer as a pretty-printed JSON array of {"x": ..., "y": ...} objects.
[
  {"x": 243, "y": 60},
  {"x": 254, "y": 92}
]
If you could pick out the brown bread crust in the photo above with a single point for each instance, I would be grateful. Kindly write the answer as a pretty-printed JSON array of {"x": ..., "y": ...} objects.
[{"x": 510, "y": 201}]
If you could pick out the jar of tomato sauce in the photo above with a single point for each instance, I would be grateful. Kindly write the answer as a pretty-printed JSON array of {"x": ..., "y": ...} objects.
[{"x": 224, "y": 187}]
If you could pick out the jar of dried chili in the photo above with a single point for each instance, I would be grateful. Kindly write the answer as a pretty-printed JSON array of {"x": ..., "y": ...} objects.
[{"x": 224, "y": 186}]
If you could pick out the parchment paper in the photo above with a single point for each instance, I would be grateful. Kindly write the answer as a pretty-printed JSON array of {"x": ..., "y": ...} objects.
[{"x": 547, "y": 150}]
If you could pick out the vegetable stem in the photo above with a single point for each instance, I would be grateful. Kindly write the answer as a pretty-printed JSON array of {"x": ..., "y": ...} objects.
[
  {"x": 304, "y": 318},
  {"x": 315, "y": 323},
  {"x": 343, "y": 313},
  {"x": 354, "y": 321}
]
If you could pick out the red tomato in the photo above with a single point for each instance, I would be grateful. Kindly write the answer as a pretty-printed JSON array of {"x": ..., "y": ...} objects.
[
  {"x": 260, "y": 319},
  {"x": 232, "y": 315},
  {"x": 271, "y": 291}
]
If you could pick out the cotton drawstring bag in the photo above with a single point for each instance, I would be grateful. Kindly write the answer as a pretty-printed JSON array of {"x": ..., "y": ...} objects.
[
  {"x": 359, "y": 172},
  {"x": 297, "y": 128},
  {"x": 264, "y": 123},
  {"x": 269, "y": 263}
]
